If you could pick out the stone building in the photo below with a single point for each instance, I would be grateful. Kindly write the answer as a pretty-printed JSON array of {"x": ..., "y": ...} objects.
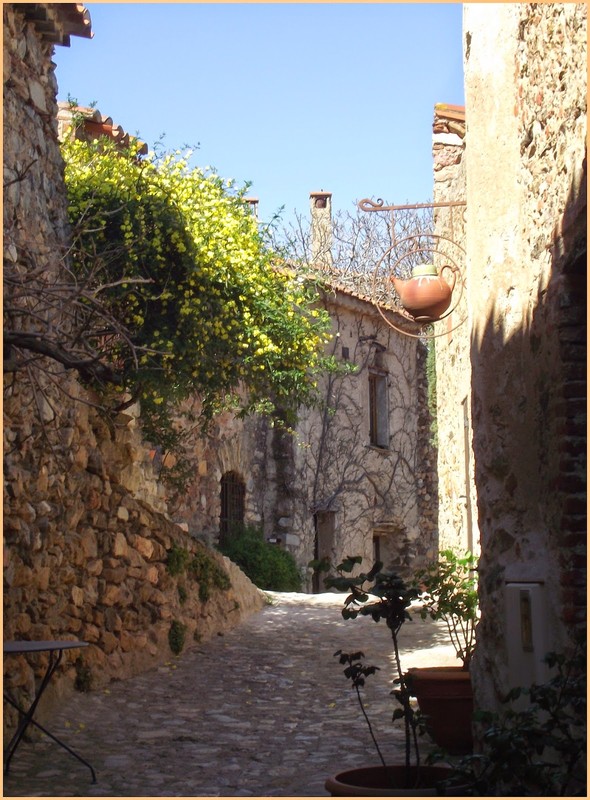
[
  {"x": 86, "y": 545},
  {"x": 519, "y": 360},
  {"x": 357, "y": 475}
]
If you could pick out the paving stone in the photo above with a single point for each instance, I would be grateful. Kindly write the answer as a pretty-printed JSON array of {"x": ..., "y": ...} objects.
[{"x": 262, "y": 711}]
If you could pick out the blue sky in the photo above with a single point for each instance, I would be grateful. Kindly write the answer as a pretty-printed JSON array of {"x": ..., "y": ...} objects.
[{"x": 293, "y": 97}]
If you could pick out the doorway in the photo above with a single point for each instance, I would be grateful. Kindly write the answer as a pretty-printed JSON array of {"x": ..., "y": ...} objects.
[
  {"x": 325, "y": 529},
  {"x": 233, "y": 494}
]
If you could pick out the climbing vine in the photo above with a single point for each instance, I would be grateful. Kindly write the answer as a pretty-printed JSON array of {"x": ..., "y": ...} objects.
[
  {"x": 431, "y": 380},
  {"x": 179, "y": 294}
]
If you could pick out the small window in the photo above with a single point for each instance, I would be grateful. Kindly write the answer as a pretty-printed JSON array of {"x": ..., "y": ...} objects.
[
  {"x": 378, "y": 410},
  {"x": 345, "y": 353}
]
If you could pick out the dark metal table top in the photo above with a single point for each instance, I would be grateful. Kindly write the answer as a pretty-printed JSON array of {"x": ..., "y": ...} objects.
[{"x": 25, "y": 646}]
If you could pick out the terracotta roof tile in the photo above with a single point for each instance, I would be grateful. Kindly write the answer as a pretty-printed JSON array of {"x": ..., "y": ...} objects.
[
  {"x": 449, "y": 119},
  {"x": 446, "y": 111},
  {"x": 330, "y": 285},
  {"x": 95, "y": 125}
]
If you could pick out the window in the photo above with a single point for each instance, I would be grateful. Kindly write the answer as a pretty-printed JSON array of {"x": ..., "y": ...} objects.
[
  {"x": 233, "y": 492},
  {"x": 378, "y": 410}
]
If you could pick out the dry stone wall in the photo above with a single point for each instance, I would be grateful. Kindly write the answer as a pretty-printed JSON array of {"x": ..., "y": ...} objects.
[
  {"x": 86, "y": 545},
  {"x": 85, "y": 558}
]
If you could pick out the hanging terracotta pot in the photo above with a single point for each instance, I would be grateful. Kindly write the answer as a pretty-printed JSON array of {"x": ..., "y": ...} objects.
[{"x": 426, "y": 295}]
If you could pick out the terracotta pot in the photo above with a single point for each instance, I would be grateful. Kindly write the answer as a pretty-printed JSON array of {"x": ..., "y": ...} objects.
[
  {"x": 426, "y": 295},
  {"x": 445, "y": 697},
  {"x": 387, "y": 782}
]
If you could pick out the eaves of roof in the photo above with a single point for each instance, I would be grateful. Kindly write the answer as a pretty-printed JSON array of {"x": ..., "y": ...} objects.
[
  {"x": 449, "y": 119},
  {"x": 335, "y": 292},
  {"x": 56, "y": 22},
  {"x": 446, "y": 111},
  {"x": 337, "y": 295},
  {"x": 94, "y": 126}
]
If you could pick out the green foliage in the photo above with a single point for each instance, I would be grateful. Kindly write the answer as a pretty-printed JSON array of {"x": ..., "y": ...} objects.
[
  {"x": 176, "y": 636},
  {"x": 539, "y": 749},
  {"x": 265, "y": 564},
  {"x": 183, "y": 294},
  {"x": 176, "y": 560},
  {"x": 431, "y": 379},
  {"x": 449, "y": 587},
  {"x": 202, "y": 568},
  {"x": 357, "y": 671},
  {"x": 83, "y": 680},
  {"x": 382, "y": 596},
  {"x": 209, "y": 575}
]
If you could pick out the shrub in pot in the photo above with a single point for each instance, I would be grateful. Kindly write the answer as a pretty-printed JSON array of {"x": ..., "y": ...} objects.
[
  {"x": 383, "y": 596},
  {"x": 444, "y": 693}
]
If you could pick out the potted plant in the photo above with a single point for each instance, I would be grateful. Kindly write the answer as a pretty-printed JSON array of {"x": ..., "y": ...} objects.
[
  {"x": 444, "y": 693},
  {"x": 535, "y": 746},
  {"x": 382, "y": 596}
]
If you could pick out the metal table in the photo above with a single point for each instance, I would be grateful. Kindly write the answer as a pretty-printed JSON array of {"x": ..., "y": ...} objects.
[{"x": 55, "y": 650}]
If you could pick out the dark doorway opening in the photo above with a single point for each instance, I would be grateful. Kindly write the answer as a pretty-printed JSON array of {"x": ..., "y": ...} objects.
[
  {"x": 233, "y": 494},
  {"x": 325, "y": 528}
]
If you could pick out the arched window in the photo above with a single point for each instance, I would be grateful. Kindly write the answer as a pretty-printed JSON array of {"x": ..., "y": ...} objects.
[{"x": 233, "y": 492}]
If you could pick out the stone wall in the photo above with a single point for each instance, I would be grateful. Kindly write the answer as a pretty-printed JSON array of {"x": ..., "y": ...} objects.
[
  {"x": 86, "y": 558},
  {"x": 525, "y": 80},
  {"x": 31, "y": 156},
  {"x": 85, "y": 543},
  {"x": 456, "y": 498}
]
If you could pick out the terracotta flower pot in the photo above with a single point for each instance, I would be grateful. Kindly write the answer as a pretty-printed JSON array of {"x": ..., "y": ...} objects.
[
  {"x": 387, "y": 782},
  {"x": 445, "y": 697}
]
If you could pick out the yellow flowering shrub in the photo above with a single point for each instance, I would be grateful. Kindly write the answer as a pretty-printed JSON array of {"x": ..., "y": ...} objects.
[{"x": 175, "y": 254}]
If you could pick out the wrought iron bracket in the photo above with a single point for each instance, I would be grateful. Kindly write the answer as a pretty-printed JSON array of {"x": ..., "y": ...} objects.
[
  {"x": 422, "y": 325},
  {"x": 379, "y": 205}
]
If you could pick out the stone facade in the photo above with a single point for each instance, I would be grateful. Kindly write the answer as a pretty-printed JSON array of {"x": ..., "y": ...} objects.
[
  {"x": 86, "y": 545},
  {"x": 457, "y": 517},
  {"x": 358, "y": 493},
  {"x": 525, "y": 82},
  {"x": 333, "y": 487},
  {"x": 324, "y": 489}
]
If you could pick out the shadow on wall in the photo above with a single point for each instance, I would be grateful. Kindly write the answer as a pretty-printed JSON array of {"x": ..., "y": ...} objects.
[{"x": 529, "y": 418}]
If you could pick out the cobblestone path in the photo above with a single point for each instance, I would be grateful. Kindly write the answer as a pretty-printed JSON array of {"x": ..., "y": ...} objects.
[{"x": 262, "y": 711}]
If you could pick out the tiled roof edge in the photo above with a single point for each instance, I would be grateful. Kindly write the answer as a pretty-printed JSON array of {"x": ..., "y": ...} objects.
[
  {"x": 95, "y": 124},
  {"x": 56, "y": 22},
  {"x": 447, "y": 111}
]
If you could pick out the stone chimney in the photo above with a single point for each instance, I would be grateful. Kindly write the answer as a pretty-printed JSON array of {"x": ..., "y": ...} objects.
[
  {"x": 321, "y": 228},
  {"x": 253, "y": 204}
]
